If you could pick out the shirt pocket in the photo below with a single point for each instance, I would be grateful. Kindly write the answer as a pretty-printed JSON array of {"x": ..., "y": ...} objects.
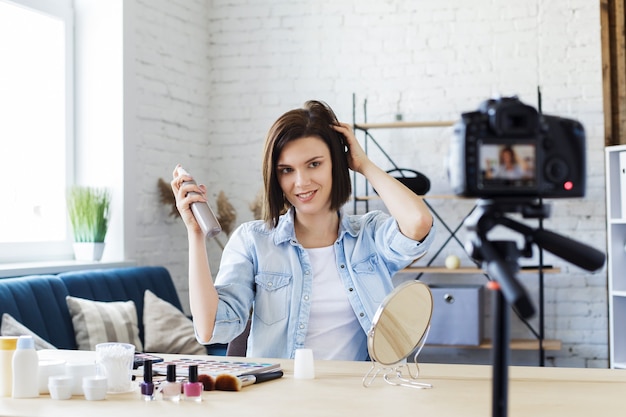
[
  {"x": 368, "y": 266},
  {"x": 272, "y": 297},
  {"x": 370, "y": 280}
]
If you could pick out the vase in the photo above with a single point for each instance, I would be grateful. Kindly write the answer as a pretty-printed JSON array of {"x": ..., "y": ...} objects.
[{"x": 88, "y": 251}]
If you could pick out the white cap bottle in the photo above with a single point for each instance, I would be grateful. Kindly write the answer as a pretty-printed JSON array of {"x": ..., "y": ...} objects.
[{"x": 25, "y": 369}]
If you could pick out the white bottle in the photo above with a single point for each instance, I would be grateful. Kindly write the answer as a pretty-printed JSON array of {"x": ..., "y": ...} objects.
[
  {"x": 7, "y": 348},
  {"x": 25, "y": 369}
]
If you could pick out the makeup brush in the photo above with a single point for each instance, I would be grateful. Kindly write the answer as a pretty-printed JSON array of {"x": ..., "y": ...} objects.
[
  {"x": 208, "y": 382},
  {"x": 228, "y": 382}
]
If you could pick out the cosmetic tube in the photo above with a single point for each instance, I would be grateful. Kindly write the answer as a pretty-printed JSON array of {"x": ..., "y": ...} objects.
[
  {"x": 171, "y": 388},
  {"x": 193, "y": 388},
  {"x": 147, "y": 386}
]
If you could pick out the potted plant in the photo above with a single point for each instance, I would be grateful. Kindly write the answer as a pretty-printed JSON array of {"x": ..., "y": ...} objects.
[{"x": 88, "y": 209}]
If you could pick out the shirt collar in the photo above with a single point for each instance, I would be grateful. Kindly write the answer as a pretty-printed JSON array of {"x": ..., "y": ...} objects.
[{"x": 285, "y": 230}]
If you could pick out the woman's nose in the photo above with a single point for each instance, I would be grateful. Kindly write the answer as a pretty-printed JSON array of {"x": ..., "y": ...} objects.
[{"x": 302, "y": 178}]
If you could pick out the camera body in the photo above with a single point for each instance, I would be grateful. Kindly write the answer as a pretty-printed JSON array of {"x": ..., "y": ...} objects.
[{"x": 507, "y": 149}]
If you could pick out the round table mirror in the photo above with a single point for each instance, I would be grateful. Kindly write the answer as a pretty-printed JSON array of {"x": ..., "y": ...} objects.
[{"x": 401, "y": 325}]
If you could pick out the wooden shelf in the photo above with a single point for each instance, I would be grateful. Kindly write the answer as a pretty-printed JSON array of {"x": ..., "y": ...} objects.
[
  {"x": 402, "y": 125},
  {"x": 515, "y": 344},
  {"x": 469, "y": 270}
]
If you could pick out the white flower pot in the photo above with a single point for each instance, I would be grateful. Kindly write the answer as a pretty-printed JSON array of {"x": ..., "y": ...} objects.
[{"x": 88, "y": 251}]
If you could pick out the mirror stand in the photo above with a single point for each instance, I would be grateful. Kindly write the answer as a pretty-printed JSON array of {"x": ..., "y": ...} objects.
[{"x": 393, "y": 374}]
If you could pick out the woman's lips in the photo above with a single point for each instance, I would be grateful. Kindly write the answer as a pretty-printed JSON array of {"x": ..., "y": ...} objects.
[{"x": 304, "y": 197}]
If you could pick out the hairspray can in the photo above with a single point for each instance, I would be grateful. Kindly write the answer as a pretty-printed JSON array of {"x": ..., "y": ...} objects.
[{"x": 203, "y": 213}]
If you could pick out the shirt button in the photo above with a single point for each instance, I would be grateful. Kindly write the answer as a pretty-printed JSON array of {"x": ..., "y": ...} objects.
[
  {"x": 361, "y": 314},
  {"x": 301, "y": 326},
  {"x": 307, "y": 272},
  {"x": 350, "y": 289},
  {"x": 306, "y": 298},
  {"x": 342, "y": 266}
]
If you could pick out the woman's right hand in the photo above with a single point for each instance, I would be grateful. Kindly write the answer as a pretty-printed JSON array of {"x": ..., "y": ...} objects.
[{"x": 185, "y": 194}]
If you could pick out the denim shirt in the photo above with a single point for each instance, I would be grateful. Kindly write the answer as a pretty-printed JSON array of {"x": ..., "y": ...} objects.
[{"x": 266, "y": 270}]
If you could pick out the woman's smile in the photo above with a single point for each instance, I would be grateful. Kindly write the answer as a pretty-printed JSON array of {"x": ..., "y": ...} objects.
[{"x": 304, "y": 197}]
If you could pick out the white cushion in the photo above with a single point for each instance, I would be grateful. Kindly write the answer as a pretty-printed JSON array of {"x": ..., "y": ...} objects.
[
  {"x": 167, "y": 329},
  {"x": 11, "y": 327},
  {"x": 99, "y": 322}
]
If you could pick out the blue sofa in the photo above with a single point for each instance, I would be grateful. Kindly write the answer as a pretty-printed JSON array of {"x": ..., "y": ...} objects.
[{"x": 38, "y": 301}]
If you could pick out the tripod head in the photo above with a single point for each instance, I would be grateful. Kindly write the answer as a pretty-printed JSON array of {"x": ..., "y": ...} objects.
[{"x": 499, "y": 259}]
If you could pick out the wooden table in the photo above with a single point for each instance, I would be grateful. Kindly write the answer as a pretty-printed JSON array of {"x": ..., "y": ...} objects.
[{"x": 337, "y": 390}]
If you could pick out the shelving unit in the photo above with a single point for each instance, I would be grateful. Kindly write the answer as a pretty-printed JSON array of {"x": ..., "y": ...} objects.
[
  {"x": 616, "y": 251},
  {"x": 539, "y": 343}
]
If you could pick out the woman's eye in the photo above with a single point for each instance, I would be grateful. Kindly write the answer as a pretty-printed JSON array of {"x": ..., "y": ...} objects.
[
  {"x": 315, "y": 164},
  {"x": 285, "y": 170}
]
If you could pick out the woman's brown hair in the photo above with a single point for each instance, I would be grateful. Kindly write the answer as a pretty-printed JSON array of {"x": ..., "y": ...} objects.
[{"x": 315, "y": 118}]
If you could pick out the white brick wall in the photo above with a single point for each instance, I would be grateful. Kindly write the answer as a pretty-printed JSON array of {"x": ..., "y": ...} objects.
[{"x": 213, "y": 75}]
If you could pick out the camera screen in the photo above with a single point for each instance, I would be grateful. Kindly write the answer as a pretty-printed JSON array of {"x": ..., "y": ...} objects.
[{"x": 507, "y": 165}]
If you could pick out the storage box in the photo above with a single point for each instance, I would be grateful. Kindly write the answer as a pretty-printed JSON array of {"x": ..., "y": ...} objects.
[{"x": 457, "y": 315}]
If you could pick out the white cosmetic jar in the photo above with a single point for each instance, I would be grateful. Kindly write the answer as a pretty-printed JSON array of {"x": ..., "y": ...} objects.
[
  {"x": 60, "y": 387},
  {"x": 95, "y": 387}
]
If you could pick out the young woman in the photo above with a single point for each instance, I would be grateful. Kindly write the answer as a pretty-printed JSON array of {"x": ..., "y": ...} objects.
[
  {"x": 310, "y": 275},
  {"x": 510, "y": 166}
]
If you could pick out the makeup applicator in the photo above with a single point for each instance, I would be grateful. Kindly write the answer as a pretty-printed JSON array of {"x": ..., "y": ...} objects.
[
  {"x": 208, "y": 382},
  {"x": 228, "y": 382}
]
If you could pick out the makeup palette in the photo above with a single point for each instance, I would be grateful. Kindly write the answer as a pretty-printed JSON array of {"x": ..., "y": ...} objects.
[{"x": 215, "y": 367}]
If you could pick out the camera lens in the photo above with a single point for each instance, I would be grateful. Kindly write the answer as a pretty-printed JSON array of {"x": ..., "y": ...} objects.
[{"x": 556, "y": 170}]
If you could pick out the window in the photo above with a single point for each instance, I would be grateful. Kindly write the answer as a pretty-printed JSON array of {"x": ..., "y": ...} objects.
[{"x": 36, "y": 133}]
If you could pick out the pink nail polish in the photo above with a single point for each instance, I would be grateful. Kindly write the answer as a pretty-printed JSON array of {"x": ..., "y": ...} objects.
[{"x": 193, "y": 388}]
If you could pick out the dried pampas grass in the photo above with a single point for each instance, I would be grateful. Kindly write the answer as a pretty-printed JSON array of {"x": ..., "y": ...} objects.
[
  {"x": 226, "y": 213},
  {"x": 256, "y": 207},
  {"x": 166, "y": 197}
]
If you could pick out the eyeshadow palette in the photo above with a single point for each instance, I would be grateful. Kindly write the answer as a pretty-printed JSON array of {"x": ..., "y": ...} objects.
[
  {"x": 141, "y": 357},
  {"x": 215, "y": 367}
]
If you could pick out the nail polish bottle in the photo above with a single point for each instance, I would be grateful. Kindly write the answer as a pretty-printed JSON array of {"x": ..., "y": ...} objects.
[
  {"x": 147, "y": 386},
  {"x": 193, "y": 388},
  {"x": 171, "y": 388}
]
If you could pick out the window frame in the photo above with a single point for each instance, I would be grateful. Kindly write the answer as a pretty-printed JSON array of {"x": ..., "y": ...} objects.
[{"x": 13, "y": 252}]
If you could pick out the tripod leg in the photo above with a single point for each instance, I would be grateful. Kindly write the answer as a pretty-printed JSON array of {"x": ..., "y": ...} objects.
[{"x": 500, "y": 354}]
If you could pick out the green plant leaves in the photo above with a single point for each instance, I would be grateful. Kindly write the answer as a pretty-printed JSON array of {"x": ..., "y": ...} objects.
[{"x": 88, "y": 208}]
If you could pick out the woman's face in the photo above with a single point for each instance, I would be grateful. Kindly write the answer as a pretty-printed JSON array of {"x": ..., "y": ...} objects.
[
  {"x": 304, "y": 171},
  {"x": 507, "y": 157}
]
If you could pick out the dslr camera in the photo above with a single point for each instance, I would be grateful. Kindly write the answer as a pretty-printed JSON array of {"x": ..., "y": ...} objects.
[{"x": 507, "y": 149}]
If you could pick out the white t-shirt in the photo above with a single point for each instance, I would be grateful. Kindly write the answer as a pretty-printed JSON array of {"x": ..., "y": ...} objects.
[{"x": 334, "y": 332}]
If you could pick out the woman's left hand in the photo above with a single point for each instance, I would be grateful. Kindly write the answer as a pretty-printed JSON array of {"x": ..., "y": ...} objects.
[{"x": 357, "y": 157}]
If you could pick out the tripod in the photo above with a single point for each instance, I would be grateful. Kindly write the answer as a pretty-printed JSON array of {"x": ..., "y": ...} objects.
[{"x": 499, "y": 260}]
